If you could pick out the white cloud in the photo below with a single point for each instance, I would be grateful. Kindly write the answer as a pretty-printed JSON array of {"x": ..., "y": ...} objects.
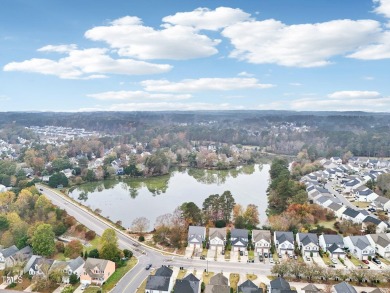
[
  {"x": 245, "y": 74},
  {"x": 58, "y": 48},
  {"x": 354, "y": 95},
  {"x": 383, "y": 7},
  {"x": 368, "y": 77},
  {"x": 378, "y": 50},
  {"x": 295, "y": 84},
  {"x": 204, "y": 18},
  {"x": 87, "y": 64},
  {"x": 203, "y": 84},
  {"x": 302, "y": 45},
  {"x": 164, "y": 106},
  {"x": 137, "y": 95},
  {"x": 131, "y": 38}
]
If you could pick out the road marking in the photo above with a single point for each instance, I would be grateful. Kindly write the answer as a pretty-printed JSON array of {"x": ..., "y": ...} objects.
[{"x": 132, "y": 280}]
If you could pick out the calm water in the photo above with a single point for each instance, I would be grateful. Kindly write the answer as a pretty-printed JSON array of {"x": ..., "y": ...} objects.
[{"x": 128, "y": 199}]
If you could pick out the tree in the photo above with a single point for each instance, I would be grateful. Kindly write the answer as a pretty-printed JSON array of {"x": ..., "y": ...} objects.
[
  {"x": 127, "y": 253},
  {"x": 60, "y": 247},
  {"x": 94, "y": 253},
  {"x": 73, "y": 249},
  {"x": 68, "y": 289},
  {"x": 109, "y": 246},
  {"x": 73, "y": 278},
  {"x": 43, "y": 240},
  {"x": 58, "y": 179},
  {"x": 140, "y": 225},
  {"x": 4, "y": 224},
  {"x": 191, "y": 213},
  {"x": 251, "y": 216},
  {"x": 7, "y": 239}
]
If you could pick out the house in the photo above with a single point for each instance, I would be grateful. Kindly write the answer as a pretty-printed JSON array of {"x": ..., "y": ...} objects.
[
  {"x": 308, "y": 244},
  {"x": 96, "y": 271},
  {"x": 380, "y": 226},
  {"x": 333, "y": 244},
  {"x": 381, "y": 242},
  {"x": 344, "y": 287},
  {"x": 359, "y": 246},
  {"x": 364, "y": 194},
  {"x": 352, "y": 184},
  {"x": 189, "y": 284},
  {"x": 356, "y": 216},
  {"x": 381, "y": 203},
  {"x": 6, "y": 255},
  {"x": 38, "y": 266},
  {"x": 74, "y": 266},
  {"x": 196, "y": 236},
  {"x": 249, "y": 287},
  {"x": 218, "y": 283},
  {"x": 261, "y": 240},
  {"x": 160, "y": 282},
  {"x": 338, "y": 209},
  {"x": 217, "y": 238},
  {"x": 239, "y": 239},
  {"x": 336, "y": 160},
  {"x": 280, "y": 285},
  {"x": 310, "y": 288},
  {"x": 284, "y": 242}
]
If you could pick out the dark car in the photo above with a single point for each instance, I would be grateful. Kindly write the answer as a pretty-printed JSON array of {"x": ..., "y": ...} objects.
[
  {"x": 377, "y": 261},
  {"x": 241, "y": 253},
  {"x": 265, "y": 255},
  {"x": 148, "y": 266},
  {"x": 223, "y": 252},
  {"x": 261, "y": 258}
]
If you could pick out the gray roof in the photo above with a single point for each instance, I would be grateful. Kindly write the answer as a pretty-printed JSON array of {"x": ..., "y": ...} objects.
[
  {"x": 311, "y": 288},
  {"x": 74, "y": 264},
  {"x": 217, "y": 289},
  {"x": 360, "y": 242},
  {"x": 330, "y": 239},
  {"x": 219, "y": 279},
  {"x": 351, "y": 212},
  {"x": 381, "y": 200},
  {"x": 196, "y": 232},
  {"x": 10, "y": 251},
  {"x": 158, "y": 283},
  {"x": 344, "y": 288},
  {"x": 91, "y": 263},
  {"x": 280, "y": 283},
  {"x": 164, "y": 271},
  {"x": 380, "y": 239},
  {"x": 189, "y": 284},
  {"x": 217, "y": 232},
  {"x": 323, "y": 199},
  {"x": 335, "y": 206},
  {"x": 284, "y": 236},
  {"x": 364, "y": 190},
  {"x": 239, "y": 233},
  {"x": 258, "y": 235},
  {"x": 333, "y": 248},
  {"x": 24, "y": 254},
  {"x": 371, "y": 219},
  {"x": 249, "y": 287},
  {"x": 352, "y": 182},
  {"x": 306, "y": 238}
]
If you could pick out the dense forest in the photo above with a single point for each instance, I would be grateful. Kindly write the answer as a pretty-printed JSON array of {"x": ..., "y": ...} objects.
[{"x": 282, "y": 132}]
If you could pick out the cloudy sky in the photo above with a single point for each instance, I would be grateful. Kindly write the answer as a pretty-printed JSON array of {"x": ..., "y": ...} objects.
[{"x": 122, "y": 55}]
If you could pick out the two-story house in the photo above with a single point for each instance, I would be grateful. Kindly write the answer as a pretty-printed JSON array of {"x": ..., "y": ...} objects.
[
  {"x": 333, "y": 244},
  {"x": 217, "y": 238},
  {"x": 261, "y": 240},
  {"x": 189, "y": 284},
  {"x": 280, "y": 285},
  {"x": 73, "y": 266},
  {"x": 239, "y": 239},
  {"x": 96, "y": 271},
  {"x": 308, "y": 244},
  {"x": 196, "y": 236},
  {"x": 359, "y": 246},
  {"x": 381, "y": 242},
  {"x": 218, "y": 283},
  {"x": 364, "y": 194},
  {"x": 248, "y": 287},
  {"x": 160, "y": 282},
  {"x": 284, "y": 242}
]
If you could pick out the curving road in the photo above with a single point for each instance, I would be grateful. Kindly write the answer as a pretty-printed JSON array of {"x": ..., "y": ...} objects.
[{"x": 130, "y": 282}]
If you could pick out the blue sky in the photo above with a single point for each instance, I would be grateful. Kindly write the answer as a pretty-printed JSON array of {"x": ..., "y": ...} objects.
[{"x": 194, "y": 55}]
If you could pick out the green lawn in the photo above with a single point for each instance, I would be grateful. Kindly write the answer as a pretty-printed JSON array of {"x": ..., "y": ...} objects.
[
  {"x": 326, "y": 259},
  {"x": 181, "y": 274},
  {"x": 93, "y": 243},
  {"x": 227, "y": 254},
  {"x": 234, "y": 278},
  {"x": 355, "y": 261},
  {"x": 92, "y": 289},
  {"x": 327, "y": 224},
  {"x": 361, "y": 205},
  {"x": 118, "y": 274},
  {"x": 207, "y": 276},
  {"x": 251, "y": 254}
]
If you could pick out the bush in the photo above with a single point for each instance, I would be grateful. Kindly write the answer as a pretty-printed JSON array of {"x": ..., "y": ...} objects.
[
  {"x": 127, "y": 253},
  {"x": 220, "y": 224},
  {"x": 59, "y": 229},
  {"x": 141, "y": 238},
  {"x": 94, "y": 253},
  {"x": 80, "y": 228},
  {"x": 60, "y": 247},
  {"x": 90, "y": 235},
  {"x": 202, "y": 287},
  {"x": 73, "y": 279}
]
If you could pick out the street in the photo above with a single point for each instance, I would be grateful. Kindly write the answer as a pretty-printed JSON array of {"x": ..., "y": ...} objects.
[{"x": 133, "y": 279}]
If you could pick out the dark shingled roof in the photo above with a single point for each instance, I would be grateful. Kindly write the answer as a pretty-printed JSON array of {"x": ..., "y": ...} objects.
[
  {"x": 249, "y": 287},
  {"x": 344, "y": 288},
  {"x": 284, "y": 236}
]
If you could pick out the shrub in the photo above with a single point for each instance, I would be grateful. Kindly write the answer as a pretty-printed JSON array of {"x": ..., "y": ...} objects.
[
  {"x": 90, "y": 235},
  {"x": 73, "y": 279},
  {"x": 60, "y": 247},
  {"x": 127, "y": 253},
  {"x": 141, "y": 238}
]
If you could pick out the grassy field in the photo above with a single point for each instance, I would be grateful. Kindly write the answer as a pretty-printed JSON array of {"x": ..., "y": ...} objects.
[
  {"x": 93, "y": 244},
  {"x": 326, "y": 259},
  {"x": 355, "y": 261},
  {"x": 251, "y": 254},
  {"x": 327, "y": 224},
  {"x": 207, "y": 276},
  {"x": 361, "y": 205},
  {"x": 251, "y": 277},
  {"x": 181, "y": 274},
  {"x": 92, "y": 289},
  {"x": 227, "y": 254},
  {"x": 118, "y": 274},
  {"x": 234, "y": 279}
]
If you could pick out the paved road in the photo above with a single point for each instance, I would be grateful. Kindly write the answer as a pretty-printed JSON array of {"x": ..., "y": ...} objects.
[
  {"x": 132, "y": 280},
  {"x": 344, "y": 201}
]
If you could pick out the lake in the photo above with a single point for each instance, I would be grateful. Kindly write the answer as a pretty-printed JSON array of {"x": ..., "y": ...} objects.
[{"x": 128, "y": 199}]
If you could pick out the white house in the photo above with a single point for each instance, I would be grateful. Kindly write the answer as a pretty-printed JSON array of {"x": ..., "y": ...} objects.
[
  {"x": 239, "y": 239},
  {"x": 356, "y": 216},
  {"x": 160, "y": 282},
  {"x": 359, "y": 246},
  {"x": 333, "y": 244},
  {"x": 364, "y": 194},
  {"x": 336, "y": 160},
  {"x": 73, "y": 266},
  {"x": 308, "y": 244},
  {"x": 196, "y": 236},
  {"x": 284, "y": 242},
  {"x": 381, "y": 242},
  {"x": 380, "y": 226},
  {"x": 352, "y": 184},
  {"x": 381, "y": 203},
  {"x": 217, "y": 238},
  {"x": 262, "y": 241}
]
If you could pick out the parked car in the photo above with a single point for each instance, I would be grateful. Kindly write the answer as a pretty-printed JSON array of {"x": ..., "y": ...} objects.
[
  {"x": 334, "y": 261},
  {"x": 377, "y": 261},
  {"x": 280, "y": 255},
  {"x": 271, "y": 260},
  {"x": 290, "y": 256},
  {"x": 332, "y": 266},
  {"x": 295, "y": 257},
  {"x": 148, "y": 266},
  {"x": 241, "y": 253},
  {"x": 266, "y": 255},
  {"x": 261, "y": 258},
  {"x": 246, "y": 252},
  {"x": 308, "y": 258},
  {"x": 202, "y": 257},
  {"x": 366, "y": 261},
  {"x": 223, "y": 252}
]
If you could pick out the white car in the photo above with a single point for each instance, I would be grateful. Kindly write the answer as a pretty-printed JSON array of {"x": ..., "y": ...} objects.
[
  {"x": 334, "y": 261},
  {"x": 271, "y": 260}
]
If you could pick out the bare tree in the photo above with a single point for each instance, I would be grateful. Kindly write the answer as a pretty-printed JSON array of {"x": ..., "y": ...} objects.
[{"x": 140, "y": 225}]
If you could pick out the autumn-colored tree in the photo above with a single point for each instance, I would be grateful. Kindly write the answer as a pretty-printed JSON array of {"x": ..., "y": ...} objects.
[
  {"x": 73, "y": 249},
  {"x": 140, "y": 225},
  {"x": 43, "y": 240},
  {"x": 251, "y": 216}
]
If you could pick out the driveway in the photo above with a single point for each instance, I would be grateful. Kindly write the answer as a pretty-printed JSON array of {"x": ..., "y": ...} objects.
[
  {"x": 188, "y": 252},
  {"x": 211, "y": 253},
  {"x": 318, "y": 260}
]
